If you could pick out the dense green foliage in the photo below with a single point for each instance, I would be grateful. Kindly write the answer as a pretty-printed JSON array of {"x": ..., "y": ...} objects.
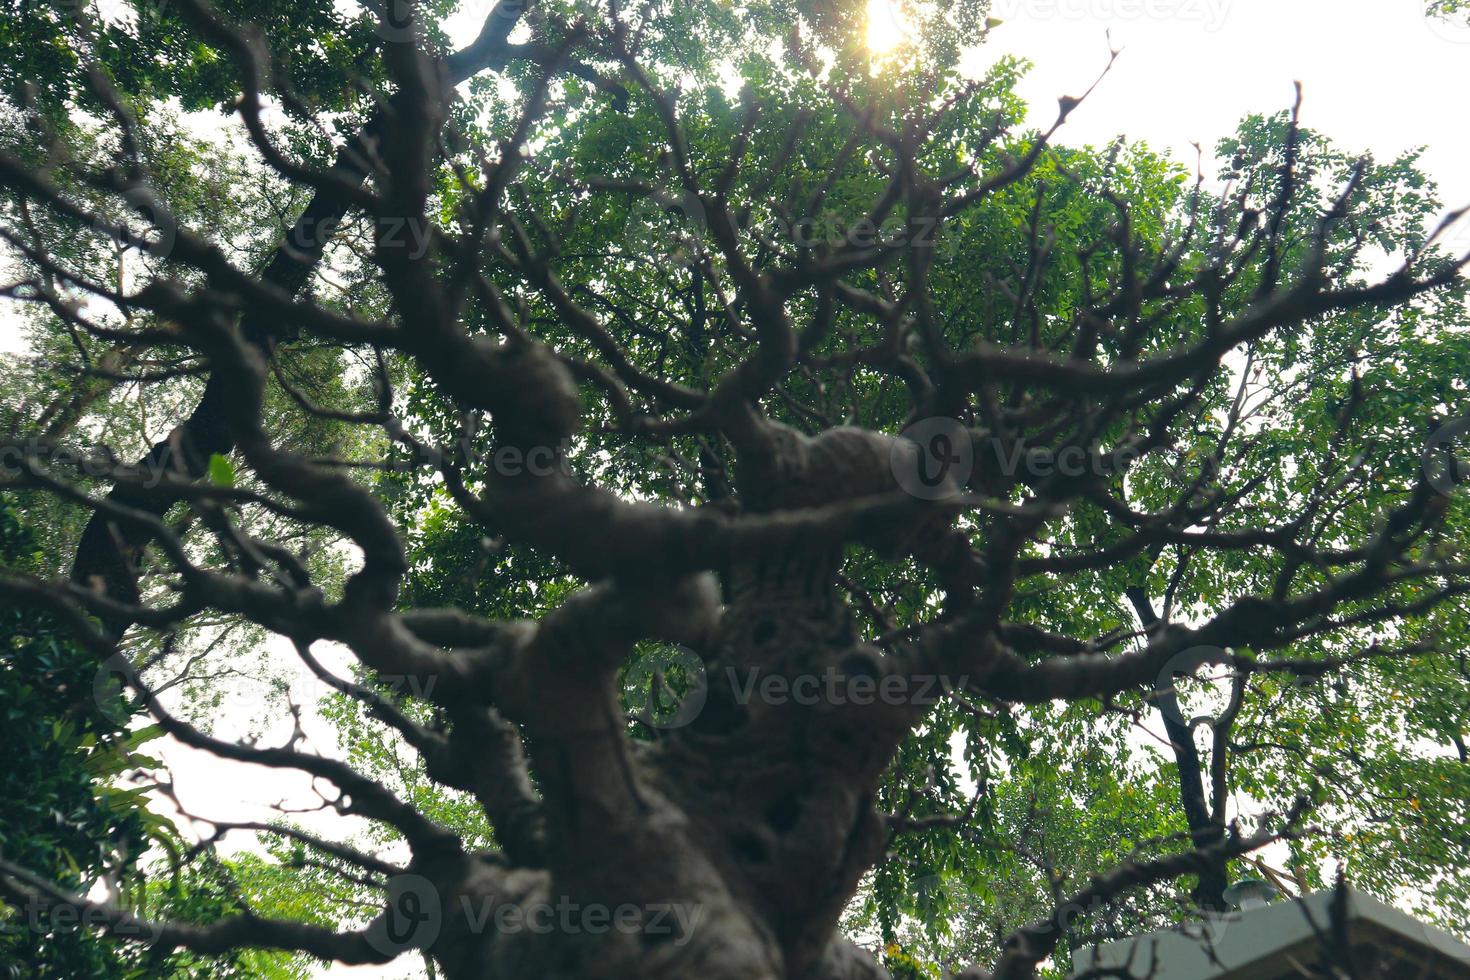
[
  {"x": 53, "y": 815},
  {"x": 1083, "y": 786},
  {"x": 1052, "y": 791},
  {"x": 74, "y": 807}
]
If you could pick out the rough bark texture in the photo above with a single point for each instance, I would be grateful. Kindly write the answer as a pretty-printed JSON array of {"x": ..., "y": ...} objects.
[{"x": 727, "y": 847}]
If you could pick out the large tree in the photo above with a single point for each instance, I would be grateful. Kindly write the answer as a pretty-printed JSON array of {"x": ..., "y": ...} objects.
[{"x": 698, "y": 429}]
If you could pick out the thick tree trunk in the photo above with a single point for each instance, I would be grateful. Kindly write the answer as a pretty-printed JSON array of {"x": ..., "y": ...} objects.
[
  {"x": 739, "y": 864},
  {"x": 738, "y": 869},
  {"x": 728, "y": 848}
]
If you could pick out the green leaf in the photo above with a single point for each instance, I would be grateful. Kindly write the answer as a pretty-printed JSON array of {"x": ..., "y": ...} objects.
[{"x": 221, "y": 471}]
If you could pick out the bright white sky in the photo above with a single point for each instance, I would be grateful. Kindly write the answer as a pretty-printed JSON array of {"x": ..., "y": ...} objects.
[{"x": 1378, "y": 77}]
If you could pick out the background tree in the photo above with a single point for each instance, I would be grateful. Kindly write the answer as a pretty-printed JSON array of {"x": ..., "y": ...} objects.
[
  {"x": 601, "y": 368},
  {"x": 64, "y": 818}
]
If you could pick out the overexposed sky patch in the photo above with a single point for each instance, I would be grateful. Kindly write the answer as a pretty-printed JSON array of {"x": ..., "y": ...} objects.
[{"x": 1377, "y": 75}]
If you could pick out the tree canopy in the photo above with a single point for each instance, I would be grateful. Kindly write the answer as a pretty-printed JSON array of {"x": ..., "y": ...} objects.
[{"x": 782, "y": 513}]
